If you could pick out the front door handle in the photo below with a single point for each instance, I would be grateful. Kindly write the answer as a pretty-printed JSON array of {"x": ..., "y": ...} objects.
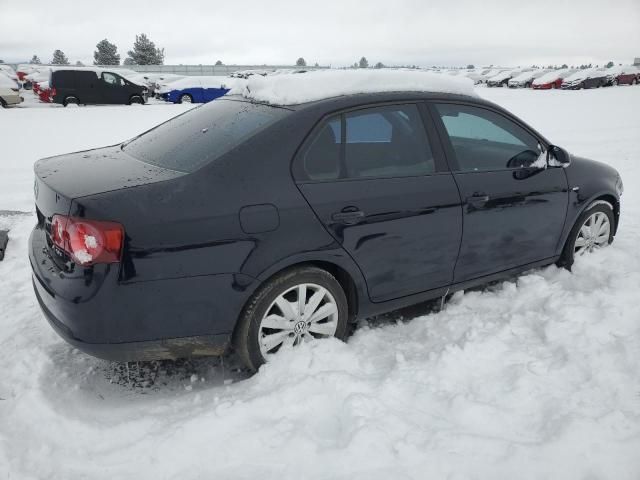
[
  {"x": 478, "y": 200},
  {"x": 348, "y": 216}
]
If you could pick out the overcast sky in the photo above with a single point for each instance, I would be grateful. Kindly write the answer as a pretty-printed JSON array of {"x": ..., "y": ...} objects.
[{"x": 427, "y": 32}]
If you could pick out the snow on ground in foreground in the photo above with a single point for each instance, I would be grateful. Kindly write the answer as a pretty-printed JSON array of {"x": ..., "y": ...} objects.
[{"x": 533, "y": 378}]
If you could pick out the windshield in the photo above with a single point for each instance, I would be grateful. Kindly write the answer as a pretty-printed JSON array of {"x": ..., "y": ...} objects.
[{"x": 189, "y": 141}]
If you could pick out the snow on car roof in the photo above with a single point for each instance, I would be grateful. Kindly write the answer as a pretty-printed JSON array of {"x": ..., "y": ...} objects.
[
  {"x": 293, "y": 89},
  {"x": 552, "y": 76}
]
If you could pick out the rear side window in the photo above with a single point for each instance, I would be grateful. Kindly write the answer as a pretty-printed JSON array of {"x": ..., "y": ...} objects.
[
  {"x": 388, "y": 141},
  {"x": 483, "y": 140},
  {"x": 189, "y": 141}
]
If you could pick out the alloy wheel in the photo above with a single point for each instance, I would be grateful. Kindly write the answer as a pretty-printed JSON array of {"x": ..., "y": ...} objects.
[
  {"x": 302, "y": 313},
  {"x": 594, "y": 233}
]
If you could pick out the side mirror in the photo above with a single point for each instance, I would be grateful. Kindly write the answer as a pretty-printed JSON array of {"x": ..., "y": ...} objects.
[{"x": 558, "y": 157}]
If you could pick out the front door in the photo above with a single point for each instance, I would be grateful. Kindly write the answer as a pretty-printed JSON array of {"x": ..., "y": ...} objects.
[
  {"x": 374, "y": 179},
  {"x": 113, "y": 89},
  {"x": 513, "y": 212}
]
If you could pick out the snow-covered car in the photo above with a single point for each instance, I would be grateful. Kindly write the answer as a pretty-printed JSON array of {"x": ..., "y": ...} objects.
[
  {"x": 9, "y": 72},
  {"x": 624, "y": 75},
  {"x": 44, "y": 92},
  {"x": 478, "y": 76},
  {"x": 9, "y": 91},
  {"x": 502, "y": 78},
  {"x": 525, "y": 79},
  {"x": 267, "y": 220},
  {"x": 201, "y": 89},
  {"x": 552, "y": 79},
  {"x": 24, "y": 69},
  {"x": 587, "y": 78}
]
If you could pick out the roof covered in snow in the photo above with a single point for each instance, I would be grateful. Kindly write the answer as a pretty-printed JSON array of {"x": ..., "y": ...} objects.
[{"x": 296, "y": 88}]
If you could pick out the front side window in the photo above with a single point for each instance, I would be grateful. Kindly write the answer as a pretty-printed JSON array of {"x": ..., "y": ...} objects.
[
  {"x": 483, "y": 140},
  {"x": 387, "y": 141},
  {"x": 111, "y": 79}
]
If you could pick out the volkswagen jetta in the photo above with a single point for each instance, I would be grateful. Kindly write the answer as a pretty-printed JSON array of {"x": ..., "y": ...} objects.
[{"x": 261, "y": 226}]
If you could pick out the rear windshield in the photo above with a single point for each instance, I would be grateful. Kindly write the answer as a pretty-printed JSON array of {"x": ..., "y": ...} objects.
[{"x": 189, "y": 141}]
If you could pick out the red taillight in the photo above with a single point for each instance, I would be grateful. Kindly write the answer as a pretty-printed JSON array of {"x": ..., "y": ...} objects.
[{"x": 87, "y": 242}]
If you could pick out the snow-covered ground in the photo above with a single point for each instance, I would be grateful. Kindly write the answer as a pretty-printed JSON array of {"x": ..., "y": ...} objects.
[{"x": 534, "y": 378}]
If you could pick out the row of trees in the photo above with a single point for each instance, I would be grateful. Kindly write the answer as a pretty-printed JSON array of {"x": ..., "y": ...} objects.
[{"x": 144, "y": 52}]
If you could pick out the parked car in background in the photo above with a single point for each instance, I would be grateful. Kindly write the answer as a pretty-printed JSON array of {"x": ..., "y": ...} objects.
[
  {"x": 587, "y": 78},
  {"x": 280, "y": 221},
  {"x": 478, "y": 76},
  {"x": 44, "y": 92},
  {"x": 9, "y": 91},
  {"x": 552, "y": 79},
  {"x": 624, "y": 75},
  {"x": 94, "y": 86},
  {"x": 23, "y": 70},
  {"x": 194, "y": 89},
  {"x": 502, "y": 79},
  {"x": 525, "y": 79},
  {"x": 9, "y": 72}
]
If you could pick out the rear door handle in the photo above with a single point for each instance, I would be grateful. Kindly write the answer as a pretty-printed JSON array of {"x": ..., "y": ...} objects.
[
  {"x": 478, "y": 200},
  {"x": 348, "y": 216}
]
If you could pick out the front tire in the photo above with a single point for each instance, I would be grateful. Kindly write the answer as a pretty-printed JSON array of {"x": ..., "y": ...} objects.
[
  {"x": 136, "y": 100},
  {"x": 299, "y": 305},
  {"x": 185, "y": 98},
  {"x": 594, "y": 229}
]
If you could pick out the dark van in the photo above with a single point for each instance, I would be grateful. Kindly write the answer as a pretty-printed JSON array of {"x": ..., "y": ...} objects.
[{"x": 94, "y": 87}]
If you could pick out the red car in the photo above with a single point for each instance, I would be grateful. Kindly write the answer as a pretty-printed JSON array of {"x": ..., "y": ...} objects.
[
  {"x": 45, "y": 93},
  {"x": 627, "y": 76},
  {"x": 552, "y": 79}
]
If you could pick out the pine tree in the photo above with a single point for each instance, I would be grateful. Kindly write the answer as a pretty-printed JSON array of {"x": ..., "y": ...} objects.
[
  {"x": 363, "y": 63},
  {"x": 379, "y": 65},
  {"x": 35, "y": 60},
  {"x": 144, "y": 52},
  {"x": 79, "y": 64},
  {"x": 106, "y": 53},
  {"x": 470, "y": 66},
  {"x": 219, "y": 62},
  {"x": 59, "y": 58},
  {"x": 610, "y": 64},
  {"x": 301, "y": 62}
]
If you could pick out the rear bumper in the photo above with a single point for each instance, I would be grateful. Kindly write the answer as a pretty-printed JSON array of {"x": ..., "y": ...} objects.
[
  {"x": 173, "y": 318},
  {"x": 12, "y": 99},
  {"x": 167, "y": 348}
]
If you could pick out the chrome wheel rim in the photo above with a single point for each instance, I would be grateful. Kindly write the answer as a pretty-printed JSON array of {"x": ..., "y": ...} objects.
[
  {"x": 185, "y": 99},
  {"x": 594, "y": 233},
  {"x": 302, "y": 313}
]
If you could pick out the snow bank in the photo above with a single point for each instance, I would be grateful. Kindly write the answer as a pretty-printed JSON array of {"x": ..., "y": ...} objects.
[{"x": 291, "y": 89}]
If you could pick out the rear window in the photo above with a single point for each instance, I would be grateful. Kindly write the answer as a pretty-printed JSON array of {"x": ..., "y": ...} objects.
[{"x": 189, "y": 141}]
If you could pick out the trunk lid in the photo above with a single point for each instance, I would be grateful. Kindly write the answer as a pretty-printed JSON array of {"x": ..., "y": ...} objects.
[{"x": 62, "y": 179}]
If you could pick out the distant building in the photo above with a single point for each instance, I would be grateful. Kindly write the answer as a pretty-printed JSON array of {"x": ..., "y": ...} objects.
[{"x": 636, "y": 61}]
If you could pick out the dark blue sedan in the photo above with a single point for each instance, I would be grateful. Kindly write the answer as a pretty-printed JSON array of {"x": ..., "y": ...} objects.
[{"x": 264, "y": 226}]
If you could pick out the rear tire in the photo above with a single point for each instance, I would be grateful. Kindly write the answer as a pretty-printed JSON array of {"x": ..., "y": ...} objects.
[
  {"x": 3, "y": 103},
  {"x": 585, "y": 236},
  {"x": 70, "y": 100},
  {"x": 264, "y": 327}
]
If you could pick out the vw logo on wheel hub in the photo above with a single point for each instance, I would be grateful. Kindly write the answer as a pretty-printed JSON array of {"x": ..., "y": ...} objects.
[{"x": 300, "y": 328}]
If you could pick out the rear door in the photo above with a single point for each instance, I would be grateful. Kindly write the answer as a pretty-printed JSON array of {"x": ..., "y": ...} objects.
[
  {"x": 377, "y": 180},
  {"x": 88, "y": 86},
  {"x": 513, "y": 213}
]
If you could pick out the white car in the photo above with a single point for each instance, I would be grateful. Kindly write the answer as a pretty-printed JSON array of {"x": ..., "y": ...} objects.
[
  {"x": 502, "y": 79},
  {"x": 9, "y": 72},
  {"x": 525, "y": 79},
  {"x": 9, "y": 91}
]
